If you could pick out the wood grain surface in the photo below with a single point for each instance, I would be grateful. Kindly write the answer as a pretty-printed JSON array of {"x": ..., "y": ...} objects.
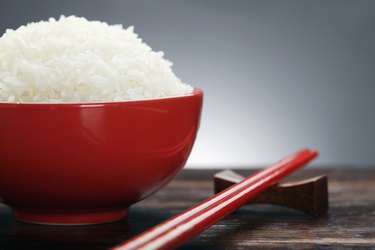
[{"x": 350, "y": 222}]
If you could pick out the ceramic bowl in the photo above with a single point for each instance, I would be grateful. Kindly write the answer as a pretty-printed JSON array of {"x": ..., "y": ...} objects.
[{"x": 86, "y": 163}]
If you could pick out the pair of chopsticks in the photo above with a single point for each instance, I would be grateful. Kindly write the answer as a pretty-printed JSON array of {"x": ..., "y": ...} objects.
[{"x": 178, "y": 229}]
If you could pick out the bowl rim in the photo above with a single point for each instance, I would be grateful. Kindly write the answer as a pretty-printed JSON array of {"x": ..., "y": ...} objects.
[{"x": 195, "y": 92}]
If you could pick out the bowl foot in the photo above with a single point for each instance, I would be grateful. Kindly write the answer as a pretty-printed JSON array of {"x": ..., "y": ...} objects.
[{"x": 69, "y": 218}]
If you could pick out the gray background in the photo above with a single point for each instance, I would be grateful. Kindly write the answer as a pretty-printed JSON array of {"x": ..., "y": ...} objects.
[{"x": 277, "y": 75}]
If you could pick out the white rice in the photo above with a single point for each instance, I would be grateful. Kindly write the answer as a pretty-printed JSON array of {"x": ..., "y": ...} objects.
[{"x": 76, "y": 60}]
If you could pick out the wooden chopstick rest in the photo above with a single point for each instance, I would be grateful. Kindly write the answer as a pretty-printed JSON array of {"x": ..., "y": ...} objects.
[{"x": 309, "y": 195}]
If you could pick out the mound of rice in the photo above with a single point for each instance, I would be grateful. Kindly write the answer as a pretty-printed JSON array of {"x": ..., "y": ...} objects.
[{"x": 76, "y": 60}]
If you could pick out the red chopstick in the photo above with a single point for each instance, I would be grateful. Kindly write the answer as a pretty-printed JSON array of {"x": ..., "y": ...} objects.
[{"x": 178, "y": 229}]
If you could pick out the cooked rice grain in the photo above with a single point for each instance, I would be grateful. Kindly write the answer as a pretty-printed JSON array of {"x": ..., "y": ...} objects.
[{"x": 75, "y": 60}]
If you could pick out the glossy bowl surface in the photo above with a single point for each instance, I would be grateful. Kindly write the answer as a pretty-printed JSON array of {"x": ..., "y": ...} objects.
[{"x": 84, "y": 163}]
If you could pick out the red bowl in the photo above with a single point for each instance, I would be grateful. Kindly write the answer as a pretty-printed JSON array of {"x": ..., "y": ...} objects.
[{"x": 85, "y": 163}]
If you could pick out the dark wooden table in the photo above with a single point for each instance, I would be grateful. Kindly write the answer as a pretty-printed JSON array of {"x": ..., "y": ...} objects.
[{"x": 350, "y": 222}]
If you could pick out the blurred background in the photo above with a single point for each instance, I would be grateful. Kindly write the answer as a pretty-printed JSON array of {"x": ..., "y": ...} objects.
[{"x": 277, "y": 75}]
